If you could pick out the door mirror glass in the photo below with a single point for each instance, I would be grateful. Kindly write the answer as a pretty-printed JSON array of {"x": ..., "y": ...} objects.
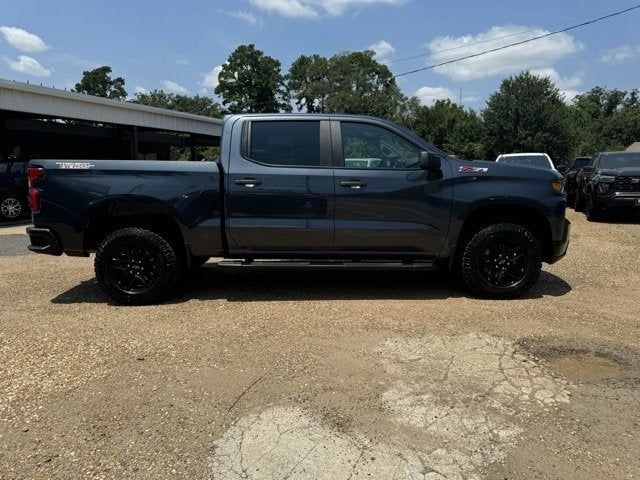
[
  {"x": 562, "y": 169},
  {"x": 429, "y": 161}
]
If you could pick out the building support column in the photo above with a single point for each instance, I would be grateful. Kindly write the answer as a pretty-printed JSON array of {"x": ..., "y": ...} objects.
[
  {"x": 192, "y": 148},
  {"x": 4, "y": 138},
  {"x": 134, "y": 143}
]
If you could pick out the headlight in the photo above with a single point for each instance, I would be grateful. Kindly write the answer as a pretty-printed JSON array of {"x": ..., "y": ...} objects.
[{"x": 604, "y": 183}]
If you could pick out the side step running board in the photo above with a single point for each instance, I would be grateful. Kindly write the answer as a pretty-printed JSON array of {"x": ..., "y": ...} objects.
[{"x": 423, "y": 265}]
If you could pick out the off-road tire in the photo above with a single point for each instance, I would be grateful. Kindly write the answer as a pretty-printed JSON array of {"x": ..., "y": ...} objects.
[
  {"x": 592, "y": 210},
  {"x": 163, "y": 271},
  {"x": 475, "y": 257},
  {"x": 578, "y": 203}
]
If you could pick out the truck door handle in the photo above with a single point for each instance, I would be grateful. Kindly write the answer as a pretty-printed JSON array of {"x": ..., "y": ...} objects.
[
  {"x": 355, "y": 184},
  {"x": 248, "y": 182}
]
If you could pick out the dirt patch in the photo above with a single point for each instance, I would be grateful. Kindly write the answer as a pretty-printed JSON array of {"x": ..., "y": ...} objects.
[
  {"x": 590, "y": 367},
  {"x": 362, "y": 362},
  {"x": 586, "y": 361}
]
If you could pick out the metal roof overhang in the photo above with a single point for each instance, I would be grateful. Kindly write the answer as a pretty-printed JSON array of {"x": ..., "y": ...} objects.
[{"x": 51, "y": 102}]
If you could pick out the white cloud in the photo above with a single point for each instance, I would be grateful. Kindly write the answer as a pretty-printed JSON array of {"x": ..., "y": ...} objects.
[
  {"x": 383, "y": 50},
  {"x": 287, "y": 8},
  {"x": 173, "y": 87},
  {"x": 211, "y": 78},
  {"x": 540, "y": 53},
  {"x": 180, "y": 60},
  {"x": 139, "y": 89},
  {"x": 28, "y": 66},
  {"x": 22, "y": 40},
  {"x": 568, "y": 86},
  {"x": 620, "y": 54},
  {"x": 428, "y": 95},
  {"x": 248, "y": 17},
  {"x": 316, "y": 8}
]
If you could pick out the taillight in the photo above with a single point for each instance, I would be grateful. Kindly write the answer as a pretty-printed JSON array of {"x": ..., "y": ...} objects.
[{"x": 34, "y": 175}]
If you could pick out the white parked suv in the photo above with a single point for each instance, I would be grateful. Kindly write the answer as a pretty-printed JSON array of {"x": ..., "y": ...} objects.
[{"x": 537, "y": 160}]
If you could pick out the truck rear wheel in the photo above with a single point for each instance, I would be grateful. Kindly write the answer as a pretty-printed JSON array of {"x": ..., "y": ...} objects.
[
  {"x": 136, "y": 266},
  {"x": 501, "y": 261}
]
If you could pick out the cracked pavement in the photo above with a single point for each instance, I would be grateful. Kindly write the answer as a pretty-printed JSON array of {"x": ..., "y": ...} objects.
[{"x": 469, "y": 398}]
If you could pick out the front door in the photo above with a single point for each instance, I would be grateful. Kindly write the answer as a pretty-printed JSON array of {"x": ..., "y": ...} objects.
[
  {"x": 280, "y": 190},
  {"x": 384, "y": 201}
]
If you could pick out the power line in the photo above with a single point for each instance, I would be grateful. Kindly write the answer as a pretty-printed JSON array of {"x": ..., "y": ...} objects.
[
  {"x": 504, "y": 47},
  {"x": 489, "y": 40}
]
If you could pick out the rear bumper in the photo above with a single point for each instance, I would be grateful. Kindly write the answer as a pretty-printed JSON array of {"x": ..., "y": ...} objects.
[
  {"x": 560, "y": 246},
  {"x": 43, "y": 240}
]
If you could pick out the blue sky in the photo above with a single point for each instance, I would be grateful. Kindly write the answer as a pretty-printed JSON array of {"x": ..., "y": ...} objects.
[{"x": 179, "y": 46}]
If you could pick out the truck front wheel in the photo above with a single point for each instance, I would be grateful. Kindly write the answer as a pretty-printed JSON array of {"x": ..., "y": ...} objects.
[
  {"x": 136, "y": 266},
  {"x": 501, "y": 261}
]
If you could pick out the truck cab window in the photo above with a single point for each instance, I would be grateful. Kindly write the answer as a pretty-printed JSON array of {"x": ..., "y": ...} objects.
[
  {"x": 285, "y": 143},
  {"x": 370, "y": 146}
]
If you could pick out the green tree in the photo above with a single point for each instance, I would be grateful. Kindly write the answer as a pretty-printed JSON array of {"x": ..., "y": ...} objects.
[
  {"x": 605, "y": 120},
  {"x": 98, "y": 82},
  {"x": 308, "y": 82},
  {"x": 197, "y": 104},
  {"x": 528, "y": 113},
  {"x": 451, "y": 127},
  {"x": 251, "y": 81},
  {"x": 358, "y": 84}
]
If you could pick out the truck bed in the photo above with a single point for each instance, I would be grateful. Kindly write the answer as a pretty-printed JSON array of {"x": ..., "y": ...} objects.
[{"x": 77, "y": 194}]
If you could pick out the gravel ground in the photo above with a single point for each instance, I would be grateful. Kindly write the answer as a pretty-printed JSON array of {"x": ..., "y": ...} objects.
[{"x": 324, "y": 374}]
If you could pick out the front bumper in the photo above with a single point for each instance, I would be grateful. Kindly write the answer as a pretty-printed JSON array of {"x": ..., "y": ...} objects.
[
  {"x": 619, "y": 199},
  {"x": 43, "y": 240},
  {"x": 560, "y": 247}
]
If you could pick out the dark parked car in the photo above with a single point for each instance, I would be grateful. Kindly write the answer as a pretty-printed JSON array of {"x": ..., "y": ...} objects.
[
  {"x": 13, "y": 190},
  {"x": 611, "y": 180},
  {"x": 570, "y": 176},
  {"x": 312, "y": 191}
]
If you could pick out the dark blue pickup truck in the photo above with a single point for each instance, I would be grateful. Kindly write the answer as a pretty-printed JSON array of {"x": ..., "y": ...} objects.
[{"x": 311, "y": 191}]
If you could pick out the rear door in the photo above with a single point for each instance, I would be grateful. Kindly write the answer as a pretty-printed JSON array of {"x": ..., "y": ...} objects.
[
  {"x": 280, "y": 187},
  {"x": 384, "y": 202}
]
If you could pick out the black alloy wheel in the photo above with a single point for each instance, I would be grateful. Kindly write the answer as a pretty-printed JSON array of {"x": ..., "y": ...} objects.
[
  {"x": 133, "y": 268},
  {"x": 504, "y": 262}
]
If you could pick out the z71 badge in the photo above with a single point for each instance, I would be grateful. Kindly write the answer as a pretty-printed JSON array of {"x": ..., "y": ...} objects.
[
  {"x": 470, "y": 169},
  {"x": 75, "y": 165}
]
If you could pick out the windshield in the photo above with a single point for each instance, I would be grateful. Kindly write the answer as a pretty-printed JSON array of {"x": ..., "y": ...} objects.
[
  {"x": 578, "y": 163},
  {"x": 538, "y": 161},
  {"x": 620, "y": 160}
]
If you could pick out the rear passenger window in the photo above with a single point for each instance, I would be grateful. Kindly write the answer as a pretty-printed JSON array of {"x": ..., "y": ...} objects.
[{"x": 288, "y": 143}]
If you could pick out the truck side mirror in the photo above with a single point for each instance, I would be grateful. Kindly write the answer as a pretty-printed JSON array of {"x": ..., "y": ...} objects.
[
  {"x": 588, "y": 168},
  {"x": 429, "y": 161},
  {"x": 562, "y": 169}
]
